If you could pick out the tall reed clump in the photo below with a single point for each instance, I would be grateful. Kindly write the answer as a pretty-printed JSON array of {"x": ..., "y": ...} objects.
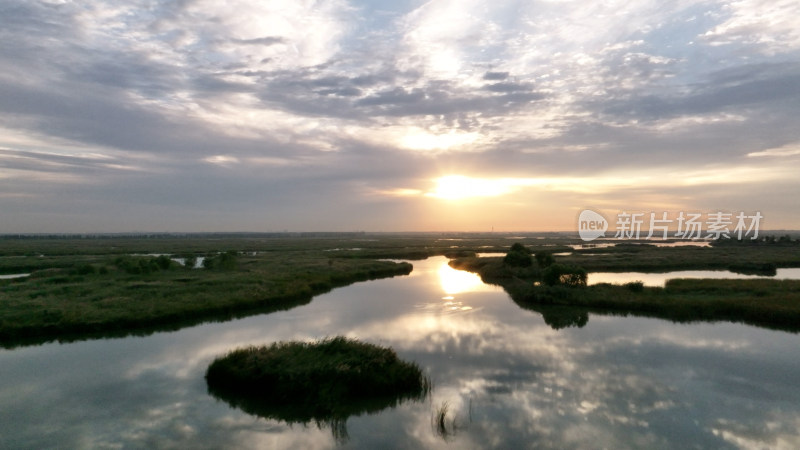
[{"x": 301, "y": 381}]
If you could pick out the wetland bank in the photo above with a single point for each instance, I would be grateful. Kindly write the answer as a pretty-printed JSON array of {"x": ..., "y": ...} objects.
[{"x": 505, "y": 372}]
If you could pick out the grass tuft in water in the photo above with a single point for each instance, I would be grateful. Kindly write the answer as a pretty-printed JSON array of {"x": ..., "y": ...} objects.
[{"x": 440, "y": 419}]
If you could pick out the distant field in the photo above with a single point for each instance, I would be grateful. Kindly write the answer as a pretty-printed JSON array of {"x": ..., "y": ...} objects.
[{"x": 114, "y": 285}]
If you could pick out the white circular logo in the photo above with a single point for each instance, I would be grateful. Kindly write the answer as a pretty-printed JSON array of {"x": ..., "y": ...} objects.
[{"x": 591, "y": 225}]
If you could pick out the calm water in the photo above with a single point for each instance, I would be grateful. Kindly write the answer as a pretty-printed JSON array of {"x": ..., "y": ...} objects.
[{"x": 511, "y": 381}]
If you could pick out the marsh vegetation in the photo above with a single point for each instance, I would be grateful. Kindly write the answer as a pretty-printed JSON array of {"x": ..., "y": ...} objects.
[
  {"x": 325, "y": 381},
  {"x": 540, "y": 286},
  {"x": 111, "y": 286},
  {"x": 107, "y": 295}
]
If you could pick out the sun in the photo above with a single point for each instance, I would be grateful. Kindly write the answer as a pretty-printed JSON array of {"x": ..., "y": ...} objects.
[{"x": 457, "y": 187}]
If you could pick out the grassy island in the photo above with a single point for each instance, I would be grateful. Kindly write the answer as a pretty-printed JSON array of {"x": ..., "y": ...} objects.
[
  {"x": 560, "y": 293},
  {"x": 325, "y": 381}
]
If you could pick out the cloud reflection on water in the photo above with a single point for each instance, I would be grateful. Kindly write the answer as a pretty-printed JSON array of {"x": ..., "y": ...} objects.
[{"x": 510, "y": 379}]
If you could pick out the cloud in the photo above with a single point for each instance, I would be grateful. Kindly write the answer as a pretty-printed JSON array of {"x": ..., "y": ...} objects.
[
  {"x": 507, "y": 87},
  {"x": 784, "y": 151},
  {"x": 379, "y": 97},
  {"x": 267, "y": 41},
  {"x": 495, "y": 75},
  {"x": 770, "y": 25},
  {"x": 776, "y": 90}
]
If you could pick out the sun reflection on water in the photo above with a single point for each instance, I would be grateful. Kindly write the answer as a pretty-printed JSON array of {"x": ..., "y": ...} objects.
[
  {"x": 458, "y": 281},
  {"x": 454, "y": 282}
]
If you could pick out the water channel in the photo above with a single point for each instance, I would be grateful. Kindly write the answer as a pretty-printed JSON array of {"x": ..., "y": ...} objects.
[{"x": 509, "y": 379}]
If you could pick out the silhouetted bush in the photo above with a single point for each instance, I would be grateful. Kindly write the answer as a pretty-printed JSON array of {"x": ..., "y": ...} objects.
[
  {"x": 518, "y": 247},
  {"x": 518, "y": 256},
  {"x": 635, "y": 286},
  {"x": 560, "y": 274}
]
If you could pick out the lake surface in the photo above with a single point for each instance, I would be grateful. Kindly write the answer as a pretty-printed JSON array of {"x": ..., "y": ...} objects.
[{"x": 510, "y": 380}]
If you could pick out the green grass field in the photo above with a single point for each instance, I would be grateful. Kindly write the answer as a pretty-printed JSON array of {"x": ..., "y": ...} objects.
[{"x": 101, "y": 297}]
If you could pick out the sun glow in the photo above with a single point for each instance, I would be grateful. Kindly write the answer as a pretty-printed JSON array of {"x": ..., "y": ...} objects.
[
  {"x": 459, "y": 187},
  {"x": 456, "y": 187}
]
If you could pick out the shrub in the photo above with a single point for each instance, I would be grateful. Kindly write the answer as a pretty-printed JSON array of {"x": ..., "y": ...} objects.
[
  {"x": 544, "y": 259},
  {"x": 518, "y": 247},
  {"x": 148, "y": 265},
  {"x": 560, "y": 274},
  {"x": 518, "y": 256},
  {"x": 163, "y": 262},
  {"x": 190, "y": 261},
  {"x": 223, "y": 261},
  {"x": 635, "y": 286},
  {"x": 228, "y": 260}
]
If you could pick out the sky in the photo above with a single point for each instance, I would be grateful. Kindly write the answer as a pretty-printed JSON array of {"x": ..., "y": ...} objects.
[{"x": 454, "y": 115}]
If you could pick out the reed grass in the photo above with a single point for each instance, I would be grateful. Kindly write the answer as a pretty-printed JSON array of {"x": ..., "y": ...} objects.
[{"x": 325, "y": 381}]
